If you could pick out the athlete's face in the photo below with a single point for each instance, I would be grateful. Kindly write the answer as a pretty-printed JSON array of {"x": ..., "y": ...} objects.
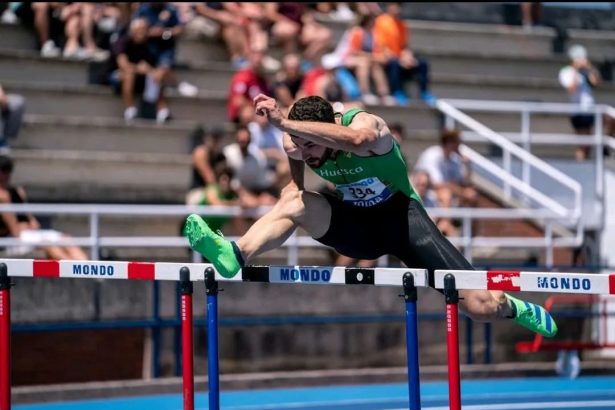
[{"x": 313, "y": 154}]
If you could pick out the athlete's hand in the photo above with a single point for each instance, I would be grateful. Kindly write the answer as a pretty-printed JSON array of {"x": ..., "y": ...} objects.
[{"x": 268, "y": 106}]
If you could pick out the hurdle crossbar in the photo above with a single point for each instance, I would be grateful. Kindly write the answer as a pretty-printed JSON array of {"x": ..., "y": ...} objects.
[
  {"x": 186, "y": 273},
  {"x": 522, "y": 281}
]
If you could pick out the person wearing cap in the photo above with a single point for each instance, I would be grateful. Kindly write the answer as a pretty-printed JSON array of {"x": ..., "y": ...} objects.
[{"x": 579, "y": 79}]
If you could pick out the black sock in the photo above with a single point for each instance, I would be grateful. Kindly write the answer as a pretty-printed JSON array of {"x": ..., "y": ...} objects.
[
  {"x": 238, "y": 254},
  {"x": 513, "y": 307}
]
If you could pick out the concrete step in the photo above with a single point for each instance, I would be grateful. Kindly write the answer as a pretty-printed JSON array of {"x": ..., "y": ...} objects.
[
  {"x": 80, "y": 176},
  {"x": 599, "y": 44},
  {"x": 489, "y": 38},
  {"x": 24, "y": 66},
  {"x": 99, "y": 101},
  {"x": 208, "y": 108},
  {"x": 43, "y": 132},
  {"x": 492, "y": 87}
]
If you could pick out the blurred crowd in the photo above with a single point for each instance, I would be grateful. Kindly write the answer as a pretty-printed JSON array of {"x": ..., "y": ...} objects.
[{"x": 281, "y": 49}]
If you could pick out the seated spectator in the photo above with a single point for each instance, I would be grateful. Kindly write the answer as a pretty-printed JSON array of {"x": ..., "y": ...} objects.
[
  {"x": 206, "y": 157},
  {"x": 219, "y": 19},
  {"x": 398, "y": 132},
  {"x": 268, "y": 139},
  {"x": 449, "y": 173},
  {"x": 164, "y": 28},
  {"x": 391, "y": 37},
  {"x": 136, "y": 66},
  {"x": 422, "y": 185},
  {"x": 44, "y": 18},
  {"x": 78, "y": 21},
  {"x": 249, "y": 165},
  {"x": 247, "y": 84},
  {"x": 293, "y": 25},
  {"x": 579, "y": 79},
  {"x": 11, "y": 114},
  {"x": 288, "y": 80},
  {"x": 531, "y": 14},
  {"x": 360, "y": 59},
  {"x": 221, "y": 193},
  {"x": 26, "y": 226}
]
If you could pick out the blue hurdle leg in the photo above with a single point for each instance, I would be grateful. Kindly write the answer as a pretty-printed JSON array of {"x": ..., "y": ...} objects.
[
  {"x": 412, "y": 343},
  {"x": 213, "y": 368}
]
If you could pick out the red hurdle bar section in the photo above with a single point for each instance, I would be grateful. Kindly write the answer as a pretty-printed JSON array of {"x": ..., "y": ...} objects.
[
  {"x": 451, "y": 296},
  {"x": 187, "y": 340},
  {"x": 5, "y": 339}
]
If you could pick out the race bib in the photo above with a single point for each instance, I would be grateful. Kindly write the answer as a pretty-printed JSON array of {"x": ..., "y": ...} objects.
[{"x": 366, "y": 192}]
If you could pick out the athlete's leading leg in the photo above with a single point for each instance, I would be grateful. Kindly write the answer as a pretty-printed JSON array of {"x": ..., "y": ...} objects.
[{"x": 295, "y": 208}]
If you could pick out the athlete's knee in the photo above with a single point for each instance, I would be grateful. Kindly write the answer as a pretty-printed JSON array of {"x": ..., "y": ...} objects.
[{"x": 291, "y": 202}]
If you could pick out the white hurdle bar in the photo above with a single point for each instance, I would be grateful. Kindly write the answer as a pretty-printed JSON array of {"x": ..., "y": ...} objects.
[{"x": 528, "y": 281}]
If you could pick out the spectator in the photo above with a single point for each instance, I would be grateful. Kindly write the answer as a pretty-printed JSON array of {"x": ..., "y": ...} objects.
[
  {"x": 26, "y": 226},
  {"x": 42, "y": 17},
  {"x": 449, "y": 173},
  {"x": 422, "y": 185},
  {"x": 247, "y": 84},
  {"x": 391, "y": 37},
  {"x": 250, "y": 167},
  {"x": 289, "y": 79},
  {"x": 78, "y": 21},
  {"x": 221, "y": 193},
  {"x": 268, "y": 139},
  {"x": 531, "y": 14},
  {"x": 136, "y": 64},
  {"x": 360, "y": 59},
  {"x": 579, "y": 78},
  {"x": 293, "y": 25},
  {"x": 215, "y": 19},
  {"x": 164, "y": 28},
  {"x": 206, "y": 157},
  {"x": 398, "y": 131},
  {"x": 11, "y": 113}
]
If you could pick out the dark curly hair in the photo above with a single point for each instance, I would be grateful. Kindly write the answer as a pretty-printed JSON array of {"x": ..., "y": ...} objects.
[{"x": 312, "y": 108}]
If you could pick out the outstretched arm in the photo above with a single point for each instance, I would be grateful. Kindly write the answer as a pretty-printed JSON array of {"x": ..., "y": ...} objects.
[{"x": 366, "y": 135}]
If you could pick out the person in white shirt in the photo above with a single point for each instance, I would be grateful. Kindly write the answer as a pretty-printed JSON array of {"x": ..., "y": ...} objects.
[
  {"x": 449, "y": 174},
  {"x": 579, "y": 79}
]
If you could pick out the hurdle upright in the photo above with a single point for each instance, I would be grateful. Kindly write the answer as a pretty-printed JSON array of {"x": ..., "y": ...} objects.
[{"x": 510, "y": 281}]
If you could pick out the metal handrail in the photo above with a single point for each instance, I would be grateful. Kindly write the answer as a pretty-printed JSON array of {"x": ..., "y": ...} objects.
[
  {"x": 95, "y": 241},
  {"x": 446, "y": 107}
]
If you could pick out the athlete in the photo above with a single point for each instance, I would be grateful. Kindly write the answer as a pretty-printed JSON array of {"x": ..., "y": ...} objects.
[{"x": 375, "y": 212}]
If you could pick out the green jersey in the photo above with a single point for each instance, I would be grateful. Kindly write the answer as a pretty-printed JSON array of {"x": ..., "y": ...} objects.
[{"x": 367, "y": 181}]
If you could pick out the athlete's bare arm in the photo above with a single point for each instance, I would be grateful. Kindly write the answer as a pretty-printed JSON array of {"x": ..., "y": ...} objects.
[{"x": 366, "y": 135}]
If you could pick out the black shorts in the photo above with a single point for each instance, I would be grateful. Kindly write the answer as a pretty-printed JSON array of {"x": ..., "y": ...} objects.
[
  {"x": 399, "y": 227},
  {"x": 582, "y": 121}
]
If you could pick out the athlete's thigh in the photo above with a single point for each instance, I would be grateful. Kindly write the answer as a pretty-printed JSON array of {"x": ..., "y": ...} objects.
[{"x": 316, "y": 215}]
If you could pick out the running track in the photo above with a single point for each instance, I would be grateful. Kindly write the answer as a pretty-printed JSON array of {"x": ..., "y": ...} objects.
[{"x": 594, "y": 393}]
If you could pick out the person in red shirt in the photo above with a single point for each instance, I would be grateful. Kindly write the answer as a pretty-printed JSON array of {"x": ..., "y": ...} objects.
[{"x": 247, "y": 84}]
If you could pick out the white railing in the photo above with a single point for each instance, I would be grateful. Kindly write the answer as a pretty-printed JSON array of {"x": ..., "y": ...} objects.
[
  {"x": 450, "y": 109},
  {"x": 526, "y": 137},
  {"x": 95, "y": 240}
]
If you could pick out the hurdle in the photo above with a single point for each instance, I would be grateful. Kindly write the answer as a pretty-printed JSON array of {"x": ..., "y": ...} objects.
[
  {"x": 451, "y": 281},
  {"x": 406, "y": 279}
]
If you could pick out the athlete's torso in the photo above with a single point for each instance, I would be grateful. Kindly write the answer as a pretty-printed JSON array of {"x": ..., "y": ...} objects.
[{"x": 367, "y": 181}]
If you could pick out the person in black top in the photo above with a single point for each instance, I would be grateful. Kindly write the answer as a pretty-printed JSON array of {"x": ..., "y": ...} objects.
[
  {"x": 26, "y": 225},
  {"x": 135, "y": 61}
]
